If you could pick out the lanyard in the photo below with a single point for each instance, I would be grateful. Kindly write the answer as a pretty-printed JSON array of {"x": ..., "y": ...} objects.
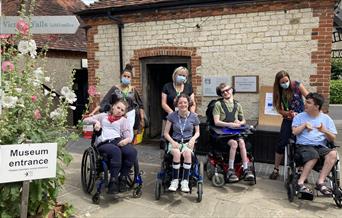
[{"x": 182, "y": 127}]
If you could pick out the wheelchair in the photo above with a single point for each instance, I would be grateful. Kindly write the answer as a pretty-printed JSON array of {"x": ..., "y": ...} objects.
[
  {"x": 94, "y": 171},
  {"x": 217, "y": 164},
  {"x": 293, "y": 161},
  {"x": 164, "y": 176}
]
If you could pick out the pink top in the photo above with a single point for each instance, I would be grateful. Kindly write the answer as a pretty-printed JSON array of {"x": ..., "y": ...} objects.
[{"x": 116, "y": 129}]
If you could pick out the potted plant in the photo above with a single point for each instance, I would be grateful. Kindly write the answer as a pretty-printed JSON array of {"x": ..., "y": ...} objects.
[{"x": 31, "y": 113}]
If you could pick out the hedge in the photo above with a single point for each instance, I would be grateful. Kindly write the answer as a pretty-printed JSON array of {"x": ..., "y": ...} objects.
[{"x": 336, "y": 91}]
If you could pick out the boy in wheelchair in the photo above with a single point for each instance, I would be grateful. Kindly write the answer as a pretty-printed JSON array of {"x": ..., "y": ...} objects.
[
  {"x": 228, "y": 113},
  {"x": 183, "y": 123},
  {"x": 313, "y": 130},
  {"x": 114, "y": 144}
]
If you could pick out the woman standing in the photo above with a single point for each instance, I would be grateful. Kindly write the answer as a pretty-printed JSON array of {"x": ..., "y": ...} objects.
[
  {"x": 128, "y": 93},
  {"x": 288, "y": 101},
  {"x": 183, "y": 123}
]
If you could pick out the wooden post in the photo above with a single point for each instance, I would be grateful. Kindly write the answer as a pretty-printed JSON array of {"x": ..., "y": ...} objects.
[{"x": 24, "y": 199}]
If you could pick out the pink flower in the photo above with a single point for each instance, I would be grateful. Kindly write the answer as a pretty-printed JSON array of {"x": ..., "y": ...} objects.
[
  {"x": 37, "y": 114},
  {"x": 22, "y": 27},
  {"x": 7, "y": 66},
  {"x": 5, "y": 36},
  {"x": 92, "y": 91},
  {"x": 34, "y": 98}
]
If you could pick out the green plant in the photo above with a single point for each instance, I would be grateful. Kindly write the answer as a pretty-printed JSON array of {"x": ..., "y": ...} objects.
[
  {"x": 335, "y": 91},
  {"x": 336, "y": 69},
  {"x": 31, "y": 114}
]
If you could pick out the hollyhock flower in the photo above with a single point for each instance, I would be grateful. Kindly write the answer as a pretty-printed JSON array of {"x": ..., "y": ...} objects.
[
  {"x": 69, "y": 95},
  {"x": 33, "y": 98},
  {"x": 5, "y": 36},
  {"x": 22, "y": 27},
  {"x": 7, "y": 66},
  {"x": 72, "y": 108},
  {"x": 9, "y": 101},
  {"x": 26, "y": 47},
  {"x": 19, "y": 90},
  {"x": 32, "y": 48},
  {"x": 23, "y": 47},
  {"x": 37, "y": 114},
  {"x": 56, "y": 113},
  {"x": 92, "y": 91}
]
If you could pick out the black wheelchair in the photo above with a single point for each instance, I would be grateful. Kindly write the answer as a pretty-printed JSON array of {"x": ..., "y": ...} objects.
[
  {"x": 291, "y": 175},
  {"x": 217, "y": 164},
  {"x": 94, "y": 171},
  {"x": 164, "y": 176}
]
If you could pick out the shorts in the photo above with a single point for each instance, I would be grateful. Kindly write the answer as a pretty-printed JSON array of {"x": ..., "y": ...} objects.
[
  {"x": 309, "y": 152},
  {"x": 183, "y": 147}
]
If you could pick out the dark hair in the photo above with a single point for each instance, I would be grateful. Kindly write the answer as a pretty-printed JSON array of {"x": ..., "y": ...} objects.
[
  {"x": 318, "y": 99},
  {"x": 220, "y": 87},
  {"x": 128, "y": 68},
  {"x": 182, "y": 95},
  {"x": 278, "y": 92}
]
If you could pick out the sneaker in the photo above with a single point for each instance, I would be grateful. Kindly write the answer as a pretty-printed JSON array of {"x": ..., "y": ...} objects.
[
  {"x": 185, "y": 186},
  {"x": 231, "y": 176},
  {"x": 174, "y": 185},
  {"x": 248, "y": 175},
  {"x": 113, "y": 187},
  {"x": 123, "y": 184}
]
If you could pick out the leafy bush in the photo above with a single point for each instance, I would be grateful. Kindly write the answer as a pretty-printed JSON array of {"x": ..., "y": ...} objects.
[
  {"x": 335, "y": 92},
  {"x": 336, "y": 69},
  {"x": 30, "y": 115}
]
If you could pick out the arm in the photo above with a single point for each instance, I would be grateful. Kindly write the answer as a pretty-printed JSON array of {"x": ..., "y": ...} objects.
[
  {"x": 165, "y": 107},
  {"x": 296, "y": 130},
  {"x": 220, "y": 123},
  {"x": 96, "y": 109},
  {"x": 167, "y": 134},
  {"x": 193, "y": 106},
  {"x": 329, "y": 135},
  {"x": 95, "y": 119},
  {"x": 194, "y": 137},
  {"x": 141, "y": 107},
  {"x": 124, "y": 132},
  {"x": 303, "y": 90}
]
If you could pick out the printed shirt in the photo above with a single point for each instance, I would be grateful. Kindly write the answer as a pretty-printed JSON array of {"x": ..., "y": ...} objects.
[
  {"x": 297, "y": 103},
  {"x": 313, "y": 137},
  {"x": 180, "y": 123}
]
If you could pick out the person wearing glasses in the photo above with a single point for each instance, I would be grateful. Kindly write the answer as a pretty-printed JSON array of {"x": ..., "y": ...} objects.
[{"x": 234, "y": 118}]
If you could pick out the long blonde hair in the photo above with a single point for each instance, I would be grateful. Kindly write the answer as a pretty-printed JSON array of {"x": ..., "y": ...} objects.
[{"x": 278, "y": 92}]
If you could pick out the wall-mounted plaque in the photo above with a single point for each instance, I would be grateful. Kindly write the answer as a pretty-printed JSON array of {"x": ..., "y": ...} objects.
[
  {"x": 246, "y": 84},
  {"x": 210, "y": 83}
]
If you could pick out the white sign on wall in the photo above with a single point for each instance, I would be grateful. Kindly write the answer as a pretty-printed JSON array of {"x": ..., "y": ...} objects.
[
  {"x": 210, "y": 83},
  {"x": 27, "y": 162}
]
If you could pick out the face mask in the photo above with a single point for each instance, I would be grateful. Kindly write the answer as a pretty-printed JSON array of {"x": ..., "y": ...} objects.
[
  {"x": 285, "y": 85},
  {"x": 125, "y": 81},
  {"x": 180, "y": 79}
]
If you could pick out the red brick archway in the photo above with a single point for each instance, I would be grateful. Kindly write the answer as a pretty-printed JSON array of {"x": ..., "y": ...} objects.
[{"x": 167, "y": 51}]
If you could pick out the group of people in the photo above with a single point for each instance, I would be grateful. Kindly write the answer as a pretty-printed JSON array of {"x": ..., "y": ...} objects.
[{"x": 122, "y": 115}]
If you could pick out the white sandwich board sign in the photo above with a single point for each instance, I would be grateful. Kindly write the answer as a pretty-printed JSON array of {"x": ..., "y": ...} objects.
[{"x": 22, "y": 162}]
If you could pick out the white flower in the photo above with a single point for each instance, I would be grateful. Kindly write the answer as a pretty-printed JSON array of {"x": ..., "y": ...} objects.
[
  {"x": 69, "y": 95},
  {"x": 23, "y": 47},
  {"x": 56, "y": 113},
  {"x": 46, "y": 92},
  {"x": 19, "y": 90},
  {"x": 72, "y": 108},
  {"x": 53, "y": 94},
  {"x": 32, "y": 47},
  {"x": 9, "y": 101},
  {"x": 47, "y": 79}
]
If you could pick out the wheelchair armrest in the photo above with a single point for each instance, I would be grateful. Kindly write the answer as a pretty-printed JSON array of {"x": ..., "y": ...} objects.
[{"x": 332, "y": 145}]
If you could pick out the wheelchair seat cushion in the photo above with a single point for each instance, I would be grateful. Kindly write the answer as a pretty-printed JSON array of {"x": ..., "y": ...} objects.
[{"x": 305, "y": 153}]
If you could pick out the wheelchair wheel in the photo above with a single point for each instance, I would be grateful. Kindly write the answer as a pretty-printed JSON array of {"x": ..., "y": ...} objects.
[
  {"x": 157, "y": 189},
  {"x": 199, "y": 191},
  {"x": 137, "y": 192},
  {"x": 88, "y": 170},
  {"x": 96, "y": 198},
  {"x": 218, "y": 180},
  {"x": 337, "y": 195},
  {"x": 210, "y": 170},
  {"x": 290, "y": 185}
]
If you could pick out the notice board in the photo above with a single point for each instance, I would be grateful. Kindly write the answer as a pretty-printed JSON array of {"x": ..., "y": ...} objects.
[{"x": 268, "y": 117}]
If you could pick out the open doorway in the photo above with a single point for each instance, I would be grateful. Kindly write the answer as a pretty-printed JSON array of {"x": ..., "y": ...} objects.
[
  {"x": 157, "y": 71},
  {"x": 81, "y": 90}
]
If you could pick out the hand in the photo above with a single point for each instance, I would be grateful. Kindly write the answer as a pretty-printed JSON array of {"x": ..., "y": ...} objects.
[
  {"x": 175, "y": 145},
  {"x": 321, "y": 128},
  {"x": 191, "y": 144},
  {"x": 235, "y": 125},
  {"x": 142, "y": 123},
  {"x": 97, "y": 126},
  {"x": 121, "y": 143},
  {"x": 308, "y": 126},
  {"x": 237, "y": 122}
]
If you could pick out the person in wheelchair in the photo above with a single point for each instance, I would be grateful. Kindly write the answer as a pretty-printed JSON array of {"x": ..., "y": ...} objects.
[
  {"x": 229, "y": 113},
  {"x": 182, "y": 141},
  {"x": 313, "y": 129},
  {"x": 114, "y": 144}
]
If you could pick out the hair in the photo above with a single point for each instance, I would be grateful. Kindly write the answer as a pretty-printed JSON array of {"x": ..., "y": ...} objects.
[
  {"x": 182, "y": 95},
  {"x": 318, "y": 99},
  {"x": 279, "y": 92},
  {"x": 128, "y": 68},
  {"x": 120, "y": 101},
  {"x": 222, "y": 86},
  {"x": 177, "y": 70}
]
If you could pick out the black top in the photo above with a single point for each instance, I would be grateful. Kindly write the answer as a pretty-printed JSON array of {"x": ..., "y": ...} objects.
[
  {"x": 133, "y": 99},
  {"x": 171, "y": 93}
]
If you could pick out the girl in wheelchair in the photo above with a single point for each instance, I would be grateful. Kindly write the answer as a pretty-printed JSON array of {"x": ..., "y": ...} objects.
[
  {"x": 114, "y": 144},
  {"x": 183, "y": 123}
]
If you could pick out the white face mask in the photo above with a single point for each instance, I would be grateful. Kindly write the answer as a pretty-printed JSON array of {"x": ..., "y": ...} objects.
[{"x": 285, "y": 85}]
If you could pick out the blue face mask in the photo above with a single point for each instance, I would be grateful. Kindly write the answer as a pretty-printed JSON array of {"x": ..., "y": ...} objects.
[
  {"x": 285, "y": 85},
  {"x": 125, "y": 81},
  {"x": 180, "y": 79}
]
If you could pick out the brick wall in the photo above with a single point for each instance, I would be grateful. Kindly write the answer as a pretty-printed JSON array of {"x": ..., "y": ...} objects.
[{"x": 258, "y": 39}]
